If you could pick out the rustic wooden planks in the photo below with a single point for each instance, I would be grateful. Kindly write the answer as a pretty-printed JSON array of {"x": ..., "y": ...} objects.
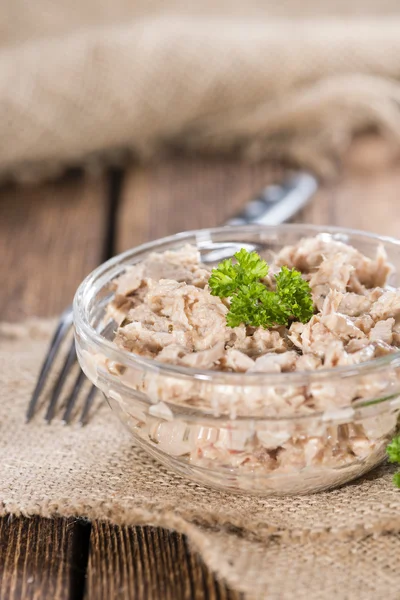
[
  {"x": 365, "y": 195},
  {"x": 184, "y": 193},
  {"x": 147, "y": 563},
  {"x": 41, "y": 558},
  {"x": 50, "y": 237}
]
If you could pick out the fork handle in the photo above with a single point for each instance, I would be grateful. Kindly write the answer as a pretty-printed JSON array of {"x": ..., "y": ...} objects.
[{"x": 278, "y": 203}]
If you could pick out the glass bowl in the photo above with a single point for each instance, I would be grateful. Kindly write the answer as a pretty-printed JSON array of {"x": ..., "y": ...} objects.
[{"x": 219, "y": 429}]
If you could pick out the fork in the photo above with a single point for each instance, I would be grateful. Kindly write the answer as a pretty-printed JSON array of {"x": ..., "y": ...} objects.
[
  {"x": 62, "y": 330},
  {"x": 275, "y": 204}
]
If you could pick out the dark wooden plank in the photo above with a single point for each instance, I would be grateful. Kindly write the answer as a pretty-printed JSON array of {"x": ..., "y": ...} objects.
[
  {"x": 369, "y": 201},
  {"x": 359, "y": 201},
  {"x": 147, "y": 563},
  {"x": 366, "y": 195},
  {"x": 50, "y": 237},
  {"x": 39, "y": 558},
  {"x": 184, "y": 194}
]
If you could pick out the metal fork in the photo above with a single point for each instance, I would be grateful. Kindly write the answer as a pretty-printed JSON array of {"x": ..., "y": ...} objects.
[
  {"x": 275, "y": 204},
  {"x": 61, "y": 332}
]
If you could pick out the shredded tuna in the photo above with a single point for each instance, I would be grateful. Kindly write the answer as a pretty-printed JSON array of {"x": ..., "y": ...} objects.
[
  {"x": 164, "y": 310},
  {"x": 354, "y": 305},
  {"x": 172, "y": 354},
  {"x": 261, "y": 342},
  {"x": 316, "y": 337},
  {"x": 364, "y": 323},
  {"x": 388, "y": 305},
  {"x": 362, "y": 355},
  {"x": 180, "y": 265},
  {"x": 308, "y": 362},
  {"x": 332, "y": 274},
  {"x": 234, "y": 360},
  {"x": 355, "y": 344},
  {"x": 205, "y": 359},
  {"x": 335, "y": 355},
  {"x": 273, "y": 362},
  {"x": 131, "y": 280},
  {"x": 310, "y": 253},
  {"x": 382, "y": 331}
]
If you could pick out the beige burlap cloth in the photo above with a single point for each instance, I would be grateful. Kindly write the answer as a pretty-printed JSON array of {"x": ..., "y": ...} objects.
[
  {"x": 341, "y": 544},
  {"x": 82, "y": 80}
]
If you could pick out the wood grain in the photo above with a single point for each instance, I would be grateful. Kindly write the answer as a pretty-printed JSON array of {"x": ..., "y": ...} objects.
[
  {"x": 185, "y": 193},
  {"x": 38, "y": 558},
  {"x": 147, "y": 563},
  {"x": 366, "y": 195},
  {"x": 369, "y": 201},
  {"x": 50, "y": 237},
  {"x": 359, "y": 201}
]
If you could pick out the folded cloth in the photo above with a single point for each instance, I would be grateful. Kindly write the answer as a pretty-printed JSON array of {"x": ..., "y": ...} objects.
[
  {"x": 84, "y": 81},
  {"x": 339, "y": 544}
]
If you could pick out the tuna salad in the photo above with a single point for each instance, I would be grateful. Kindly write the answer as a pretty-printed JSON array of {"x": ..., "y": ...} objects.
[{"x": 165, "y": 311}]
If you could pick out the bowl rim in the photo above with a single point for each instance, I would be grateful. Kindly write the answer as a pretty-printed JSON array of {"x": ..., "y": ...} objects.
[{"x": 101, "y": 275}]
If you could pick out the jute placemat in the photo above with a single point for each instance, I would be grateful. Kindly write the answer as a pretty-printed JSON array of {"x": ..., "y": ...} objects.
[
  {"x": 339, "y": 544},
  {"x": 95, "y": 79}
]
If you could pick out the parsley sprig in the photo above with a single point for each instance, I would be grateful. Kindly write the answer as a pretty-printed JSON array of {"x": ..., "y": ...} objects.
[
  {"x": 393, "y": 452},
  {"x": 251, "y": 302}
]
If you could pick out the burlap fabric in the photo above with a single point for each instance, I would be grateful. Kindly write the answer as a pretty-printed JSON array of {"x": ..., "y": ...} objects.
[
  {"x": 339, "y": 544},
  {"x": 85, "y": 80}
]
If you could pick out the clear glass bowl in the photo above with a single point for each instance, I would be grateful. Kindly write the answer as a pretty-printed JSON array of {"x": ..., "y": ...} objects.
[{"x": 198, "y": 422}]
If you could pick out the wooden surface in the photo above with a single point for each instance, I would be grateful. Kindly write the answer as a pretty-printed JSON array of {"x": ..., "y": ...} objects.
[
  {"x": 175, "y": 196},
  {"x": 41, "y": 558},
  {"x": 50, "y": 237},
  {"x": 147, "y": 562},
  {"x": 56, "y": 229}
]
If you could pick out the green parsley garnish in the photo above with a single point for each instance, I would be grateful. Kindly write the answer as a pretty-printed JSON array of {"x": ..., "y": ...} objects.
[
  {"x": 251, "y": 302},
  {"x": 393, "y": 452}
]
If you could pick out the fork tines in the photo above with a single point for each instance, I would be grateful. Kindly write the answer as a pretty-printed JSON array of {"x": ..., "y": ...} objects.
[{"x": 62, "y": 330}]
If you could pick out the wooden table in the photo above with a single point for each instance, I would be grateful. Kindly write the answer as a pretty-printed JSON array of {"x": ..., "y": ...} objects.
[{"x": 57, "y": 233}]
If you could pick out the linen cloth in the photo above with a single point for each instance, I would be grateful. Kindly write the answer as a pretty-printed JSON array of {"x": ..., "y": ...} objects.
[{"x": 83, "y": 81}]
